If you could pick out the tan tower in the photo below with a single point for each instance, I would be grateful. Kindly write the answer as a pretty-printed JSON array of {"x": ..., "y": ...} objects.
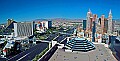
[{"x": 102, "y": 23}]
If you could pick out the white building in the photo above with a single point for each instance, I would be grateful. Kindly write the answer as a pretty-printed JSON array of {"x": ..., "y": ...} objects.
[
  {"x": 22, "y": 29},
  {"x": 42, "y": 26},
  {"x": 117, "y": 27},
  {"x": 89, "y": 15},
  {"x": 110, "y": 23}
]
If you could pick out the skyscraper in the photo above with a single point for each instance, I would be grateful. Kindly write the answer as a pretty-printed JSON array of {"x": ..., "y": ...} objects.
[
  {"x": 110, "y": 23},
  {"x": 95, "y": 17},
  {"x": 89, "y": 23},
  {"x": 105, "y": 25},
  {"x": 89, "y": 15},
  {"x": 94, "y": 27},
  {"x": 84, "y": 25},
  {"x": 102, "y": 23}
]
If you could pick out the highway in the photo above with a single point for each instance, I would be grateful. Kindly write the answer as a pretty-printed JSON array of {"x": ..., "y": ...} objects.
[
  {"x": 60, "y": 38},
  {"x": 29, "y": 54},
  {"x": 51, "y": 37}
]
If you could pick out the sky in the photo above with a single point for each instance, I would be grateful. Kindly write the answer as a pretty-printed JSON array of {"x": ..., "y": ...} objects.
[{"x": 26, "y": 10}]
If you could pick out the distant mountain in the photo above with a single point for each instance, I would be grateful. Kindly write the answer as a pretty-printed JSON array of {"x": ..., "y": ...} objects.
[
  {"x": 58, "y": 19},
  {"x": 116, "y": 19},
  {"x": 65, "y": 19},
  {"x": 40, "y": 20},
  {"x": 3, "y": 24}
]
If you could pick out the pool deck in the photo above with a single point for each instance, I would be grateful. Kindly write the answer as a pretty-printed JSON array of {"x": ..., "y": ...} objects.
[{"x": 101, "y": 53}]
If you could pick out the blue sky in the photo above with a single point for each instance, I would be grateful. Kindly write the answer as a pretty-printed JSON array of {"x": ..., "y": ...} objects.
[{"x": 25, "y": 10}]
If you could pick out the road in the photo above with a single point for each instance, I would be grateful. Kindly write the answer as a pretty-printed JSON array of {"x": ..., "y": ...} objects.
[
  {"x": 29, "y": 54},
  {"x": 117, "y": 50},
  {"x": 61, "y": 37},
  {"x": 51, "y": 37}
]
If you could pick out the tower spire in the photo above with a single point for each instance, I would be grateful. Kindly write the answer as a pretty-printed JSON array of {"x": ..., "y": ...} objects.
[
  {"x": 110, "y": 12},
  {"x": 89, "y": 10}
]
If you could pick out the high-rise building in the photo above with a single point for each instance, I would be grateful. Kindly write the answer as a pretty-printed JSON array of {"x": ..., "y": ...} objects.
[
  {"x": 102, "y": 23},
  {"x": 105, "y": 26},
  {"x": 113, "y": 25},
  {"x": 94, "y": 27},
  {"x": 95, "y": 17},
  {"x": 89, "y": 15},
  {"x": 117, "y": 27},
  {"x": 9, "y": 21},
  {"x": 22, "y": 29},
  {"x": 110, "y": 23},
  {"x": 91, "y": 23},
  {"x": 84, "y": 25},
  {"x": 47, "y": 24},
  {"x": 43, "y": 24}
]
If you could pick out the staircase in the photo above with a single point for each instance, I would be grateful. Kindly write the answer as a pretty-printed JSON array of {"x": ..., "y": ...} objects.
[{"x": 80, "y": 44}]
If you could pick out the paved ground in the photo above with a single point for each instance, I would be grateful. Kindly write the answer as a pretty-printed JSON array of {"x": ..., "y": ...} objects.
[{"x": 101, "y": 53}]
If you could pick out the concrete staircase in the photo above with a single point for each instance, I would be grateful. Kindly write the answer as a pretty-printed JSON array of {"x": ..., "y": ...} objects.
[{"x": 80, "y": 45}]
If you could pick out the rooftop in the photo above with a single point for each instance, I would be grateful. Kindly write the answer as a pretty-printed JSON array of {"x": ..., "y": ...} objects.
[{"x": 101, "y": 53}]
